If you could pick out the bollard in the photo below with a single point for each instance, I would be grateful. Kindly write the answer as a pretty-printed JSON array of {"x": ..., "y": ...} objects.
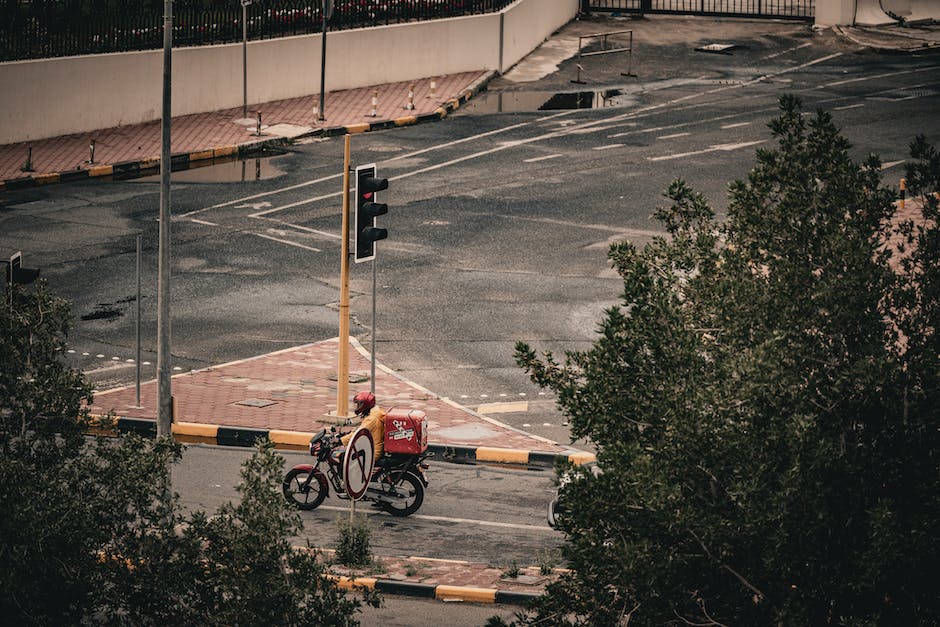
[
  {"x": 411, "y": 98},
  {"x": 903, "y": 193},
  {"x": 91, "y": 153},
  {"x": 375, "y": 103},
  {"x": 258, "y": 131},
  {"x": 28, "y": 166},
  {"x": 578, "y": 80},
  {"x": 433, "y": 93}
]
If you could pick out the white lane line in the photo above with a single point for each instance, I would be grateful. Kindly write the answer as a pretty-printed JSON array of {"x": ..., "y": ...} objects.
[
  {"x": 782, "y": 52},
  {"x": 288, "y": 242},
  {"x": 206, "y": 222},
  {"x": 717, "y": 147},
  {"x": 464, "y": 521},
  {"x": 593, "y": 126},
  {"x": 330, "y": 177},
  {"x": 885, "y": 75},
  {"x": 608, "y": 146},
  {"x": 891, "y": 164},
  {"x": 851, "y": 106},
  {"x": 535, "y": 159},
  {"x": 674, "y": 135},
  {"x": 735, "y": 125},
  {"x": 107, "y": 368},
  {"x": 305, "y": 229}
]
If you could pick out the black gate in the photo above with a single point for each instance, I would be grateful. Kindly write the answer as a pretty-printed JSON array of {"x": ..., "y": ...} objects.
[{"x": 778, "y": 9}]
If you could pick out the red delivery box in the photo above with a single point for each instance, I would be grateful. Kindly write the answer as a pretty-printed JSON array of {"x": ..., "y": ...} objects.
[{"x": 406, "y": 431}]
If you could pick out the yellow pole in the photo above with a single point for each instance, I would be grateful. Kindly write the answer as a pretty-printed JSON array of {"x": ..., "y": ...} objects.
[{"x": 342, "y": 371}]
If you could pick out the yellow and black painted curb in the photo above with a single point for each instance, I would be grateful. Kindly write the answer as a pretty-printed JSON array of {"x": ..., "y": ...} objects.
[
  {"x": 183, "y": 161},
  {"x": 197, "y": 433},
  {"x": 436, "y": 591}
]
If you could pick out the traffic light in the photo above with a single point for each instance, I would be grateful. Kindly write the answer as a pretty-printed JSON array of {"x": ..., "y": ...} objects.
[
  {"x": 17, "y": 274},
  {"x": 366, "y": 233}
]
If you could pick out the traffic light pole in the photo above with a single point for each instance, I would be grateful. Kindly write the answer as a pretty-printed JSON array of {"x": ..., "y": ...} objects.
[
  {"x": 342, "y": 371},
  {"x": 164, "y": 391},
  {"x": 372, "y": 359}
]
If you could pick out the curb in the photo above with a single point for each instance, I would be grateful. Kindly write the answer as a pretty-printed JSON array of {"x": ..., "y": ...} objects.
[
  {"x": 181, "y": 161},
  {"x": 439, "y": 592},
  {"x": 197, "y": 433},
  {"x": 911, "y": 45}
]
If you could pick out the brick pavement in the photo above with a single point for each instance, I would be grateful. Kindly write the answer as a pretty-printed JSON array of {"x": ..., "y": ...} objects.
[
  {"x": 295, "y": 390},
  {"x": 201, "y": 137}
]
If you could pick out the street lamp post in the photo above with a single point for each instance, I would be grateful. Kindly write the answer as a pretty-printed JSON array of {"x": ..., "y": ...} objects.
[
  {"x": 245, "y": 4},
  {"x": 164, "y": 393},
  {"x": 326, "y": 11}
]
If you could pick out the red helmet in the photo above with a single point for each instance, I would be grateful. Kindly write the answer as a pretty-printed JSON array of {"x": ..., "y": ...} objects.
[{"x": 364, "y": 401}]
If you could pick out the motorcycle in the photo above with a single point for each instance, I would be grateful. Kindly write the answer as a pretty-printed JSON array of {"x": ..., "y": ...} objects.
[{"x": 397, "y": 483}]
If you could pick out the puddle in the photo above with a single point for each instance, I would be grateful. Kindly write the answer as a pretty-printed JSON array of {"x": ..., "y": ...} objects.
[
  {"x": 223, "y": 170},
  {"x": 520, "y": 101}
]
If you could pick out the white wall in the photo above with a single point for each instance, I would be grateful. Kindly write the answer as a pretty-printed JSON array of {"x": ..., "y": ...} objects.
[{"x": 51, "y": 97}]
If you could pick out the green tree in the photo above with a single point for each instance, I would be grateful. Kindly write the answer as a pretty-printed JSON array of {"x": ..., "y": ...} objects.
[
  {"x": 764, "y": 402},
  {"x": 92, "y": 532}
]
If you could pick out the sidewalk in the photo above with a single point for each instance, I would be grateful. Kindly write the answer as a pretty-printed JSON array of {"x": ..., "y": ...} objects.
[
  {"x": 135, "y": 149},
  {"x": 290, "y": 394}
]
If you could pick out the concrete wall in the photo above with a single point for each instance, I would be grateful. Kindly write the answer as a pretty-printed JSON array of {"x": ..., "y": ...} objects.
[
  {"x": 51, "y": 97},
  {"x": 874, "y": 12}
]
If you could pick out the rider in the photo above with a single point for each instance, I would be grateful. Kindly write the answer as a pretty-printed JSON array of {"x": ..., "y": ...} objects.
[{"x": 373, "y": 419}]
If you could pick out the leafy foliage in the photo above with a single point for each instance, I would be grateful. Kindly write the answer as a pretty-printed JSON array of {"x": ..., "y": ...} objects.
[
  {"x": 764, "y": 405},
  {"x": 354, "y": 547},
  {"x": 92, "y": 532}
]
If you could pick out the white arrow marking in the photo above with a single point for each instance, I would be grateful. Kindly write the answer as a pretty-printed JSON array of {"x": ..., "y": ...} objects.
[
  {"x": 254, "y": 205},
  {"x": 722, "y": 147}
]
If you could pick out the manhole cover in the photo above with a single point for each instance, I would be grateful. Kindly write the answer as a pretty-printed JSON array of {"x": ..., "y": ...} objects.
[{"x": 256, "y": 402}]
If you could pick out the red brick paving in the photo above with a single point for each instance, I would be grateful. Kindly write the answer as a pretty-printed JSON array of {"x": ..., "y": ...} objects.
[
  {"x": 203, "y": 131},
  {"x": 301, "y": 382}
]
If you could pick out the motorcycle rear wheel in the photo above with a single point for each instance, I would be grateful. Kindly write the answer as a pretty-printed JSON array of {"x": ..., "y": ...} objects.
[
  {"x": 294, "y": 493},
  {"x": 412, "y": 487}
]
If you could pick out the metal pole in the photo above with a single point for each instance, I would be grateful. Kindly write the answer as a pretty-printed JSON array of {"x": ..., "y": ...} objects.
[
  {"x": 244, "y": 59},
  {"x": 323, "y": 10},
  {"x": 164, "y": 392},
  {"x": 342, "y": 371},
  {"x": 137, "y": 360},
  {"x": 372, "y": 373}
]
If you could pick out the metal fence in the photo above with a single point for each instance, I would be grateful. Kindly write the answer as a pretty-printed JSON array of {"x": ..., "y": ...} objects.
[
  {"x": 31, "y": 29},
  {"x": 778, "y": 9}
]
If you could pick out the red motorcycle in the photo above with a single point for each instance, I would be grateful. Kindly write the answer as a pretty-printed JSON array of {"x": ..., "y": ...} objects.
[{"x": 398, "y": 480}]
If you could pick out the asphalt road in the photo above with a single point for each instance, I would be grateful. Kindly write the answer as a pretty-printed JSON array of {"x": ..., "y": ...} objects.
[{"x": 489, "y": 514}]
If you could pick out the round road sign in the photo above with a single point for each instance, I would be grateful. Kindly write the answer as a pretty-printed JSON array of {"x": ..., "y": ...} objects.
[{"x": 357, "y": 463}]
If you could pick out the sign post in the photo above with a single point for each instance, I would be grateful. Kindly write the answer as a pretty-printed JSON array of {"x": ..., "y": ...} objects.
[{"x": 358, "y": 461}]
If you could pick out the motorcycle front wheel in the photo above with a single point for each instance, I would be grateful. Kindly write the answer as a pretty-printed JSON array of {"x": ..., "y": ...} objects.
[
  {"x": 411, "y": 488},
  {"x": 295, "y": 494}
]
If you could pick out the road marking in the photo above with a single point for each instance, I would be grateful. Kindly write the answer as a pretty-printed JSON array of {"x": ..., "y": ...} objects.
[
  {"x": 674, "y": 135},
  {"x": 608, "y": 146},
  {"x": 885, "y": 75},
  {"x": 534, "y": 159},
  {"x": 288, "y": 242},
  {"x": 891, "y": 164},
  {"x": 306, "y": 229},
  {"x": 206, "y": 222},
  {"x": 503, "y": 408},
  {"x": 851, "y": 106},
  {"x": 330, "y": 177},
  {"x": 717, "y": 147},
  {"x": 735, "y": 125},
  {"x": 464, "y": 521},
  {"x": 107, "y": 368},
  {"x": 782, "y": 52}
]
